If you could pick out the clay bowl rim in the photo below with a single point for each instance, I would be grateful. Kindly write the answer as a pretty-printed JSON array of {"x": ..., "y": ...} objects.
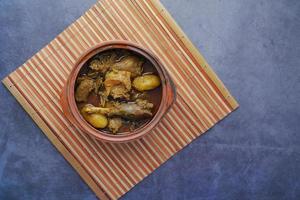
[{"x": 127, "y": 136}]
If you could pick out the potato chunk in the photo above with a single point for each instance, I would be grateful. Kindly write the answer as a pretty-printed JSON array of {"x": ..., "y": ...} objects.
[
  {"x": 97, "y": 120},
  {"x": 146, "y": 82}
]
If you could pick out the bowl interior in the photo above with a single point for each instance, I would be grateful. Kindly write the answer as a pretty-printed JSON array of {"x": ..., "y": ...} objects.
[{"x": 153, "y": 96}]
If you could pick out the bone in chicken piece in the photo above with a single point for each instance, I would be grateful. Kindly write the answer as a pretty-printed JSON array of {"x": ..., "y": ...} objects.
[
  {"x": 129, "y": 63},
  {"x": 140, "y": 109},
  {"x": 110, "y": 61},
  {"x": 85, "y": 86},
  {"x": 117, "y": 84}
]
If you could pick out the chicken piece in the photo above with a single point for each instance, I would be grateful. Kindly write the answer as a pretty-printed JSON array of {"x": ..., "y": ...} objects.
[
  {"x": 119, "y": 91},
  {"x": 97, "y": 84},
  {"x": 111, "y": 60},
  {"x": 85, "y": 85},
  {"x": 129, "y": 63},
  {"x": 117, "y": 84},
  {"x": 144, "y": 103},
  {"x": 84, "y": 88},
  {"x": 116, "y": 77},
  {"x": 114, "y": 124},
  {"x": 103, "y": 62},
  {"x": 131, "y": 111},
  {"x": 134, "y": 95},
  {"x": 140, "y": 109},
  {"x": 103, "y": 98}
]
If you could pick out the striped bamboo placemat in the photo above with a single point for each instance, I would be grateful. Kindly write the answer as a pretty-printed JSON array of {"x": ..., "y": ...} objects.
[{"x": 113, "y": 169}]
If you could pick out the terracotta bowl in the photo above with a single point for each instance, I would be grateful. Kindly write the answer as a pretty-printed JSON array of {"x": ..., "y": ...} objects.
[{"x": 72, "y": 113}]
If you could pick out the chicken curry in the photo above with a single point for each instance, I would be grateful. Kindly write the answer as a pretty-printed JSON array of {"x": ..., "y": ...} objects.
[{"x": 118, "y": 91}]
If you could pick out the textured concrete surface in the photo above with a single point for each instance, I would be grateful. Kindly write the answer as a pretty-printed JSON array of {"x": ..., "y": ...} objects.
[{"x": 254, "y": 47}]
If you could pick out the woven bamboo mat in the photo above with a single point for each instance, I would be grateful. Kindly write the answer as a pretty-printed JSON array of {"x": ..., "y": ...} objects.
[{"x": 113, "y": 169}]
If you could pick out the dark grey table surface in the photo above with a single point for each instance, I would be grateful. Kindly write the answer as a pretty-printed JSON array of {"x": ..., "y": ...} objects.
[{"x": 254, "y": 47}]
